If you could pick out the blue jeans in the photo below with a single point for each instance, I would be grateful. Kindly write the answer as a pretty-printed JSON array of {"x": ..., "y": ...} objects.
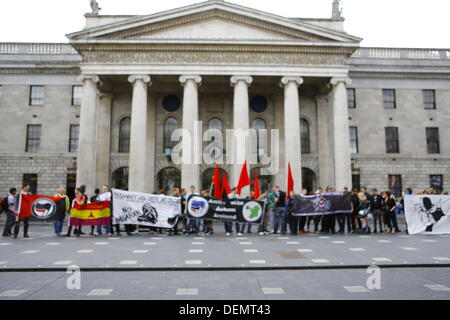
[
  {"x": 228, "y": 227},
  {"x": 58, "y": 224},
  {"x": 193, "y": 225},
  {"x": 244, "y": 225},
  {"x": 279, "y": 219}
]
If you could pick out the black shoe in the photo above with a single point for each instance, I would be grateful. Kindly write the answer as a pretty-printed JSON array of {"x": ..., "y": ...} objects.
[{"x": 26, "y": 236}]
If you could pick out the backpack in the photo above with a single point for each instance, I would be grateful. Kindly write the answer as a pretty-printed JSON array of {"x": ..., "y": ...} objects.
[{"x": 4, "y": 205}]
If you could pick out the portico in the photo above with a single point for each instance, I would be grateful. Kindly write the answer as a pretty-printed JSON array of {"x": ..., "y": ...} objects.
[{"x": 209, "y": 55}]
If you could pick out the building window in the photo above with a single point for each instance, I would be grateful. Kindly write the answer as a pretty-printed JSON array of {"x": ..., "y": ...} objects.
[
  {"x": 36, "y": 95},
  {"x": 395, "y": 185},
  {"x": 433, "y": 140},
  {"x": 305, "y": 136},
  {"x": 76, "y": 95},
  {"x": 170, "y": 125},
  {"x": 33, "y": 138},
  {"x": 354, "y": 140},
  {"x": 73, "y": 140},
  {"x": 258, "y": 104},
  {"x": 120, "y": 178},
  {"x": 207, "y": 177},
  {"x": 124, "y": 135},
  {"x": 392, "y": 143},
  {"x": 437, "y": 183},
  {"x": 71, "y": 184},
  {"x": 265, "y": 182},
  {"x": 216, "y": 124},
  {"x": 169, "y": 178},
  {"x": 356, "y": 181},
  {"x": 171, "y": 103},
  {"x": 259, "y": 124},
  {"x": 389, "y": 100},
  {"x": 429, "y": 99},
  {"x": 351, "y": 98},
  {"x": 32, "y": 180}
]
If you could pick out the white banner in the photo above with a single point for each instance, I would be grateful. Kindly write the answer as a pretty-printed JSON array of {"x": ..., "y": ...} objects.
[
  {"x": 145, "y": 209},
  {"x": 428, "y": 214}
]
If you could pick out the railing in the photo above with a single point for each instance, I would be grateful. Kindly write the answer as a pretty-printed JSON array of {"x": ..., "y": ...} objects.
[
  {"x": 36, "y": 48},
  {"x": 400, "y": 53}
]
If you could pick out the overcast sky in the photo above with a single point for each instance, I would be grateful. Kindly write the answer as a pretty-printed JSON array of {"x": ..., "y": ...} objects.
[{"x": 381, "y": 23}]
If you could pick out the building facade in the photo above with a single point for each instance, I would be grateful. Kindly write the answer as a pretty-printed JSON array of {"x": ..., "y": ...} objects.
[{"x": 102, "y": 108}]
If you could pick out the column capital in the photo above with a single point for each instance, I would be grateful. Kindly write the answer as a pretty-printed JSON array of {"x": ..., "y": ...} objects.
[
  {"x": 235, "y": 79},
  {"x": 346, "y": 81},
  {"x": 185, "y": 78},
  {"x": 88, "y": 77},
  {"x": 286, "y": 80},
  {"x": 133, "y": 78}
]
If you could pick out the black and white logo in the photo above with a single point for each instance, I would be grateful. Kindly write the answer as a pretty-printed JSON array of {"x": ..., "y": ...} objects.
[{"x": 43, "y": 208}]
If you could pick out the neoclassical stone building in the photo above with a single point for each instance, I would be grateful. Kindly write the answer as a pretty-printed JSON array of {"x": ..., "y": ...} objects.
[{"x": 101, "y": 109}]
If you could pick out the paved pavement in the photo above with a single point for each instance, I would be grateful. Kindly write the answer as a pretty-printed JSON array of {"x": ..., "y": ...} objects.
[{"x": 220, "y": 267}]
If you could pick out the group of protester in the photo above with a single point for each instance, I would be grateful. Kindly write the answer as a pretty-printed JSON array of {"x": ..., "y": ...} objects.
[{"x": 382, "y": 208}]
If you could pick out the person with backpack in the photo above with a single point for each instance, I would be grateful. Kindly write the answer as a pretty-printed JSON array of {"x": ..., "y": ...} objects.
[
  {"x": 26, "y": 221},
  {"x": 59, "y": 222},
  {"x": 8, "y": 206}
]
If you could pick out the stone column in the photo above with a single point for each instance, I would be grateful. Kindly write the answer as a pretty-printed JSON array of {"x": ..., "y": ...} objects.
[
  {"x": 325, "y": 137},
  {"x": 151, "y": 146},
  {"x": 190, "y": 169},
  {"x": 103, "y": 140},
  {"x": 86, "y": 142},
  {"x": 293, "y": 146},
  {"x": 241, "y": 121},
  {"x": 342, "y": 158},
  {"x": 138, "y": 135}
]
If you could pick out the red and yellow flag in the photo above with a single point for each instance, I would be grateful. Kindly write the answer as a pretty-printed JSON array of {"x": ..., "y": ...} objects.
[{"x": 92, "y": 214}]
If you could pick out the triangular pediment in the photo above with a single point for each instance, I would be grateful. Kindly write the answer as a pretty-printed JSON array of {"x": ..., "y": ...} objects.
[{"x": 212, "y": 20}]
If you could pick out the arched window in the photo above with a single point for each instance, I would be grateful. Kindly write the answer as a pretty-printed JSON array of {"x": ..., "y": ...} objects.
[
  {"x": 124, "y": 135},
  {"x": 259, "y": 124},
  {"x": 170, "y": 125},
  {"x": 120, "y": 178},
  {"x": 169, "y": 178},
  {"x": 309, "y": 180},
  {"x": 305, "y": 137},
  {"x": 215, "y": 123},
  {"x": 208, "y": 175}
]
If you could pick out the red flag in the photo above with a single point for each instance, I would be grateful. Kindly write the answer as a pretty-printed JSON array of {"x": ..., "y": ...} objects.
[
  {"x": 225, "y": 188},
  {"x": 225, "y": 185},
  {"x": 244, "y": 179},
  {"x": 41, "y": 207},
  {"x": 290, "y": 185},
  {"x": 216, "y": 183},
  {"x": 256, "y": 187}
]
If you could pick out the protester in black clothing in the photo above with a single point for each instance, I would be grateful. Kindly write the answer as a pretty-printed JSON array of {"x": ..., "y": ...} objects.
[
  {"x": 96, "y": 198},
  {"x": 301, "y": 221},
  {"x": 356, "y": 222},
  {"x": 391, "y": 204},
  {"x": 26, "y": 221},
  {"x": 376, "y": 207},
  {"x": 293, "y": 220}
]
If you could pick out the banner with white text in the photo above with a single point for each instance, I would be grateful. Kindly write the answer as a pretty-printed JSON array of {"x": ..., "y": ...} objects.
[
  {"x": 322, "y": 204},
  {"x": 145, "y": 209}
]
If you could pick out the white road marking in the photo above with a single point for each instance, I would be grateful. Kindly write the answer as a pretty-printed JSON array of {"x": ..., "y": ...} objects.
[
  {"x": 292, "y": 242},
  {"x": 5, "y": 243},
  {"x": 199, "y": 238},
  {"x": 441, "y": 258},
  {"x": 357, "y": 249},
  {"x": 101, "y": 243},
  {"x": 269, "y": 291},
  {"x": 128, "y": 262},
  {"x": 304, "y": 250},
  {"x": 191, "y": 262},
  {"x": 53, "y": 243},
  {"x": 241, "y": 238},
  {"x": 409, "y": 248},
  {"x": 112, "y": 238},
  {"x": 320, "y": 261},
  {"x": 283, "y": 238},
  {"x": 63, "y": 262},
  {"x": 245, "y": 243},
  {"x": 338, "y": 242},
  {"x": 437, "y": 287},
  {"x": 85, "y": 251},
  {"x": 156, "y": 238},
  {"x": 251, "y": 250},
  {"x": 140, "y": 251},
  {"x": 195, "y": 250},
  {"x": 12, "y": 293},
  {"x": 100, "y": 292},
  {"x": 324, "y": 237},
  {"x": 356, "y": 289},
  {"x": 187, "y": 292},
  {"x": 384, "y": 241},
  {"x": 257, "y": 261},
  {"x": 30, "y": 251},
  {"x": 197, "y": 243},
  {"x": 3, "y": 262},
  {"x": 382, "y": 259},
  {"x": 149, "y": 243},
  {"x": 429, "y": 241}
]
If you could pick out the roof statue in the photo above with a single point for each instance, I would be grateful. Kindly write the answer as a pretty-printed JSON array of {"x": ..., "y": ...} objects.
[
  {"x": 95, "y": 8},
  {"x": 337, "y": 10}
]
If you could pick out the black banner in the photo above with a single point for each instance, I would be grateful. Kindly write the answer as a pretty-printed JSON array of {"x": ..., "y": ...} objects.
[
  {"x": 322, "y": 204},
  {"x": 235, "y": 210}
]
